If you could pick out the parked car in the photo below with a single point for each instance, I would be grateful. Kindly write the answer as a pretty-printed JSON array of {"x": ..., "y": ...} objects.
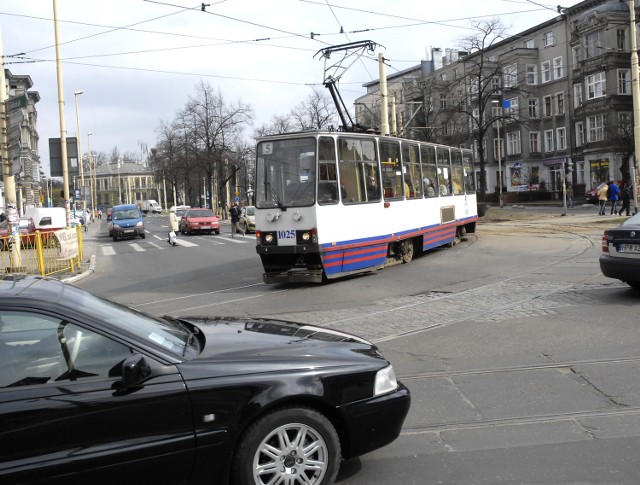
[
  {"x": 591, "y": 196},
  {"x": 248, "y": 219},
  {"x": 620, "y": 256},
  {"x": 27, "y": 229},
  {"x": 199, "y": 220},
  {"x": 124, "y": 397},
  {"x": 125, "y": 221}
]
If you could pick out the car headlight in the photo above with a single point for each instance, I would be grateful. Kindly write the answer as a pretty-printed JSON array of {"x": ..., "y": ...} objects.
[
  {"x": 385, "y": 381},
  {"x": 116, "y": 227},
  {"x": 140, "y": 224}
]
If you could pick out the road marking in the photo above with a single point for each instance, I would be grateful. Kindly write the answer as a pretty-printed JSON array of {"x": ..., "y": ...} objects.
[
  {"x": 238, "y": 239},
  {"x": 151, "y": 243},
  {"x": 137, "y": 247},
  {"x": 186, "y": 244},
  {"x": 108, "y": 250}
]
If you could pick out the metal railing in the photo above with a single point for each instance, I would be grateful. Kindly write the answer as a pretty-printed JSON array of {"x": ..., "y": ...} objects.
[{"x": 39, "y": 254}]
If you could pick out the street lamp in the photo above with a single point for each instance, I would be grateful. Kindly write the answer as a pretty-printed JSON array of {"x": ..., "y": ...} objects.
[
  {"x": 497, "y": 102},
  {"x": 82, "y": 191}
]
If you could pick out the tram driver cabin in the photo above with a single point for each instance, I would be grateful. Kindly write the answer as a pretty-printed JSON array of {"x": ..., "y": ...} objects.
[{"x": 330, "y": 204}]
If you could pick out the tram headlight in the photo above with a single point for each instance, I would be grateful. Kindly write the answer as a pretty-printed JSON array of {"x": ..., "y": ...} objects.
[
  {"x": 309, "y": 236},
  {"x": 269, "y": 238},
  {"x": 306, "y": 236}
]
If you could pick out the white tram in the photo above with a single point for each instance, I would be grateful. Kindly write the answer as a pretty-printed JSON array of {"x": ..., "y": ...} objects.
[{"x": 330, "y": 204}]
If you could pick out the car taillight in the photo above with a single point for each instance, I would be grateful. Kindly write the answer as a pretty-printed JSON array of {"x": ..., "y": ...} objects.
[{"x": 605, "y": 244}]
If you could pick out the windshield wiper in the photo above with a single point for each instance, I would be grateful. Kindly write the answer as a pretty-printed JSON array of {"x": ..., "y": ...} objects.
[
  {"x": 276, "y": 199},
  {"x": 191, "y": 330}
]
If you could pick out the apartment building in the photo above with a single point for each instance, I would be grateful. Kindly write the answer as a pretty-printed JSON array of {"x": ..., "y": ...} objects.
[{"x": 556, "y": 93}]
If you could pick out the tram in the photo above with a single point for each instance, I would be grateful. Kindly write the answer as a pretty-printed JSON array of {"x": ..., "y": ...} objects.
[{"x": 330, "y": 204}]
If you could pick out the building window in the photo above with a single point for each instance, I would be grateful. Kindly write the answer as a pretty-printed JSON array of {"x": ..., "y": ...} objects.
[
  {"x": 595, "y": 128},
  {"x": 534, "y": 142},
  {"x": 443, "y": 76},
  {"x": 577, "y": 55},
  {"x": 546, "y": 106},
  {"x": 545, "y": 71},
  {"x": 510, "y": 76},
  {"x": 624, "y": 81},
  {"x": 532, "y": 74},
  {"x": 446, "y": 128},
  {"x": 548, "y": 140},
  {"x": 495, "y": 148},
  {"x": 513, "y": 143},
  {"x": 495, "y": 84},
  {"x": 621, "y": 39},
  {"x": 514, "y": 107},
  {"x": 533, "y": 108},
  {"x": 561, "y": 139},
  {"x": 625, "y": 124},
  {"x": 559, "y": 103},
  {"x": 594, "y": 44},
  {"x": 529, "y": 44},
  {"x": 579, "y": 133},
  {"x": 577, "y": 95},
  {"x": 443, "y": 101},
  {"x": 558, "y": 68},
  {"x": 548, "y": 39},
  {"x": 596, "y": 85}
]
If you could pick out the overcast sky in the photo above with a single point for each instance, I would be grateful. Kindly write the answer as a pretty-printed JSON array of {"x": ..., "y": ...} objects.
[{"x": 138, "y": 61}]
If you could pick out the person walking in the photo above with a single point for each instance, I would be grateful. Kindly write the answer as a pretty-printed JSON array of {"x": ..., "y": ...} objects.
[
  {"x": 235, "y": 213},
  {"x": 570, "y": 196},
  {"x": 173, "y": 227},
  {"x": 614, "y": 195},
  {"x": 626, "y": 199},
  {"x": 602, "y": 198}
]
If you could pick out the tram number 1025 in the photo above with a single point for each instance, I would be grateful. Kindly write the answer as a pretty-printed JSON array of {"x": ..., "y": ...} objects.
[{"x": 289, "y": 234}]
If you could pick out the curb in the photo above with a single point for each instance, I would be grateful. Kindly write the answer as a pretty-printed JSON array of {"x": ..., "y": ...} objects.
[{"x": 84, "y": 274}]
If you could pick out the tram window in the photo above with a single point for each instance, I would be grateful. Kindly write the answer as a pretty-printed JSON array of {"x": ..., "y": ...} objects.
[
  {"x": 444, "y": 170},
  {"x": 429, "y": 170},
  {"x": 458, "y": 172},
  {"x": 467, "y": 162},
  {"x": 357, "y": 163},
  {"x": 391, "y": 169},
  {"x": 411, "y": 169},
  {"x": 327, "y": 172}
]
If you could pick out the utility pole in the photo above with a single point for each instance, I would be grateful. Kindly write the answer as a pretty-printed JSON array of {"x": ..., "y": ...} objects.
[
  {"x": 13, "y": 217},
  {"x": 635, "y": 91},
  {"x": 63, "y": 129}
]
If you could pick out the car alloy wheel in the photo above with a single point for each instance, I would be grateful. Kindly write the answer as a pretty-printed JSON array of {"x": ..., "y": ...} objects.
[{"x": 291, "y": 445}]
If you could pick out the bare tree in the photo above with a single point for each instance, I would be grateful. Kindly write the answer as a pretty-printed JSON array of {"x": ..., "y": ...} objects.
[
  {"x": 277, "y": 125},
  {"x": 479, "y": 85}
]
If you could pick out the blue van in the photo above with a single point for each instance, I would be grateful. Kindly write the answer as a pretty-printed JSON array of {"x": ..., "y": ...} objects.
[{"x": 125, "y": 221}]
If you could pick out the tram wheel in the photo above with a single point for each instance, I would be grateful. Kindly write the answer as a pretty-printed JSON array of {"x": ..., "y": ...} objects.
[{"x": 407, "y": 251}]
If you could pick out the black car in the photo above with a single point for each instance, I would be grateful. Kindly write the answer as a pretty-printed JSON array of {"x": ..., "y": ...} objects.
[
  {"x": 94, "y": 392},
  {"x": 620, "y": 256}
]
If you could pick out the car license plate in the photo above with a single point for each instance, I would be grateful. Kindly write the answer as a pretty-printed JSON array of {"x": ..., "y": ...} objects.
[
  {"x": 629, "y": 248},
  {"x": 205, "y": 227},
  {"x": 128, "y": 230}
]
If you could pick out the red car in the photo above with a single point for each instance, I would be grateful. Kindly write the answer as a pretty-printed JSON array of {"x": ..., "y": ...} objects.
[
  {"x": 199, "y": 220},
  {"x": 27, "y": 230}
]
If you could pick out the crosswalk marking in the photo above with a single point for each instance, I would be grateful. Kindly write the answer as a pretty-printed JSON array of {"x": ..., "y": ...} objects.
[
  {"x": 160, "y": 242},
  {"x": 137, "y": 247},
  {"x": 108, "y": 250},
  {"x": 186, "y": 244}
]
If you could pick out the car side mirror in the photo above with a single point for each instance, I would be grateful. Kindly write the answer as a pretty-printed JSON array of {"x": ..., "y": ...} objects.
[{"x": 135, "y": 370}]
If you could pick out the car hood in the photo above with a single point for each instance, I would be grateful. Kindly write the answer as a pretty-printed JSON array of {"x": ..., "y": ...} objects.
[
  {"x": 212, "y": 220},
  {"x": 281, "y": 344}
]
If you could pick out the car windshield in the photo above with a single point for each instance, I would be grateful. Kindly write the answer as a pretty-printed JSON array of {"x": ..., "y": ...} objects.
[
  {"x": 200, "y": 213},
  {"x": 250, "y": 211},
  {"x": 168, "y": 334},
  {"x": 125, "y": 214},
  {"x": 286, "y": 173}
]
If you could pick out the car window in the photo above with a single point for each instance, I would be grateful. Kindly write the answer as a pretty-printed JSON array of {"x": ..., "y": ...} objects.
[
  {"x": 39, "y": 349},
  {"x": 200, "y": 213}
]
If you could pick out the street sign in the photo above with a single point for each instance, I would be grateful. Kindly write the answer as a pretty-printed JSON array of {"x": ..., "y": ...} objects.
[{"x": 16, "y": 102}]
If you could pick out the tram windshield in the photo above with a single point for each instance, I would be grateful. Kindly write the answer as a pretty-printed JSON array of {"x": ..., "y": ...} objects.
[{"x": 286, "y": 173}]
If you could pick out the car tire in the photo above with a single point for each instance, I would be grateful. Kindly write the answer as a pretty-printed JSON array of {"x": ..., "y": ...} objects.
[
  {"x": 115, "y": 238},
  {"x": 634, "y": 284},
  {"x": 143, "y": 235},
  {"x": 407, "y": 254},
  {"x": 262, "y": 457}
]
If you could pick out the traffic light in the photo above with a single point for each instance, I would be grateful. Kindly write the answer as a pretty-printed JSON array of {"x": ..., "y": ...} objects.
[{"x": 568, "y": 168}]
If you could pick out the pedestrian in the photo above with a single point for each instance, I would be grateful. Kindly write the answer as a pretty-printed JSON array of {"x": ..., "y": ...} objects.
[
  {"x": 173, "y": 227},
  {"x": 235, "y": 213},
  {"x": 626, "y": 199},
  {"x": 570, "y": 196},
  {"x": 614, "y": 193},
  {"x": 602, "y": 198},
  {"x": 99, "y": 213}
]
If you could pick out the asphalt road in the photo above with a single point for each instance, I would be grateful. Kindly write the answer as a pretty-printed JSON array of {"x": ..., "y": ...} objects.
[{"x": 521, "y": 357}]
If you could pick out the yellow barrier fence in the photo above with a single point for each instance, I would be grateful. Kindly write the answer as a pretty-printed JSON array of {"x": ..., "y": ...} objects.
[{"x": 40, "y": 253}]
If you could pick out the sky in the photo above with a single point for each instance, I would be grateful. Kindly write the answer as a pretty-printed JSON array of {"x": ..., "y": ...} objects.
[{"x": 138, "y": 61}]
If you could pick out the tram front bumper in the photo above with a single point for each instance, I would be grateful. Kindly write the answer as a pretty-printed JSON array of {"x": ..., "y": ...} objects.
[{"x": 295, "y": 275}]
